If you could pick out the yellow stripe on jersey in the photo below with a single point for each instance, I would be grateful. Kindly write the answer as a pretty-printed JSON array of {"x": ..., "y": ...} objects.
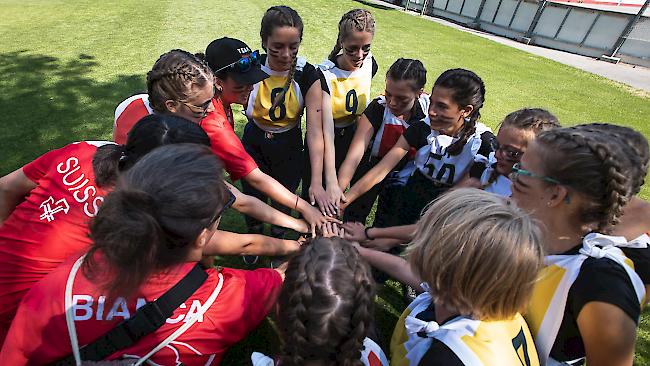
[
  {"x": 286, "y": 114},
  {"x": 349, "y": 99},
  {"x": 505, "y": 342},
  {"x": 547, "y": 283},
  {"x": 397, "y": 350}
]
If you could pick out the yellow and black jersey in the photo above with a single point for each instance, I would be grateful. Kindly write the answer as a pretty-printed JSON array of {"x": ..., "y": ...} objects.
[
  {"x": 419, "y": 340},
  {"x": 596, "y": 270},
  {"x": 286, "y": 115},
  {"x": 349, "y": 90}
]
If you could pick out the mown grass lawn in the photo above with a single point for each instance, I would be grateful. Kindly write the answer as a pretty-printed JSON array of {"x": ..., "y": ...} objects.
[{"x": 65, "y": 65}]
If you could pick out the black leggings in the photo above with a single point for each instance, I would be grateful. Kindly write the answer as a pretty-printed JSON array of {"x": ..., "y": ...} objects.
[{"x": 278, "y": 155}]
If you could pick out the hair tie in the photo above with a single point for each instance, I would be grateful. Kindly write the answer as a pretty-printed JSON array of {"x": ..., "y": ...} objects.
[{"x": 123, "y": 157}]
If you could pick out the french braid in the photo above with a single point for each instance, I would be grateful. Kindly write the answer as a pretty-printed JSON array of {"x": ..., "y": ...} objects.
[
  {"x": 635, "y": 146},
  {"x": 356, "y": 20},
  {"x": 174, "y": 76},
  {"x": 325, "y": 305},
  {"x": 592, "y": 166}
]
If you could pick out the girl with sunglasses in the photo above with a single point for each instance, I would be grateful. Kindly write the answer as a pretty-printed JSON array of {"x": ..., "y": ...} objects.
[
  {"x": 151, "y": 232},
  {"x": 346, "y": 80},
  {"x": 447, "y": 143},
  {"x": 180, "y": 78},
  {"x": 273, "y": 135},
  {"x": 587, "y": 301},
  {"x": 516, "y": 131}
]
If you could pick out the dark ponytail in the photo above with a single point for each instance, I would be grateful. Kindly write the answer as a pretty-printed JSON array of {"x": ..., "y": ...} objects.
[
  {"x": 150, "y": 132},
  {"x": 410, "y": 70},
  {"x": 154, "y": 215},
  {"x": 467, "y": 89}
]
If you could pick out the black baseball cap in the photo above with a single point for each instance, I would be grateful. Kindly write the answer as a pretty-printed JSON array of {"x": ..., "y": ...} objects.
[{"x": 224, "y": 52}]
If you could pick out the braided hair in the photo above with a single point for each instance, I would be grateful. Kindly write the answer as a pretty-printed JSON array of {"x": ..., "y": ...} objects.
[
  {"x": 174, "y": 76},
  {"x": 635, "y": 145},
  {"x": 467, "y": 89},
  {"x": 276, "y": 17},
  {"x": 325, "y": 305},
  {"x": 592, "y": 166},
  {"x": 356, "y": 20},
  {"x": 410, "y": 70}
]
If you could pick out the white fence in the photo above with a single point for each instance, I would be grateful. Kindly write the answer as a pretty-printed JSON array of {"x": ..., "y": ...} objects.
[{"x": 581, "y": 30}]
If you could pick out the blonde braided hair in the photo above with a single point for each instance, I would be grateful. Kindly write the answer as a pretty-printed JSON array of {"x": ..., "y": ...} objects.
[
  {"x": 356, "y": 20},
  {"x": 592, "y": 166},
  {"x": 173, "y": 77}
]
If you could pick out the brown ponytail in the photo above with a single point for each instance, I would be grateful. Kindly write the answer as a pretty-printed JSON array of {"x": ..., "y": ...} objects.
[{"x": 157, "y": 210}]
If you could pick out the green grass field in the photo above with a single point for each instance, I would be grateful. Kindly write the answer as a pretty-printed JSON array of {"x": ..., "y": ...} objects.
[{"x": 65, "y": 65}]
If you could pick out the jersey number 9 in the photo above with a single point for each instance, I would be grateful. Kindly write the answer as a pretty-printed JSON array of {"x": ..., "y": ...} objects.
[{"x": 351, "y": 101}]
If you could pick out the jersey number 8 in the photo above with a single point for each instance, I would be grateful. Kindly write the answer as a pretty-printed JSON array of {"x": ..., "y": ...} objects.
[{"x": 280, "y": 107}]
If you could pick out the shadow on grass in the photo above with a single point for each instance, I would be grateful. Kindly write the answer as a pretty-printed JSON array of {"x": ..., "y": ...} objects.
[
  {"x": 374, "y": 5},
  {"x": 47, "y": 103}
]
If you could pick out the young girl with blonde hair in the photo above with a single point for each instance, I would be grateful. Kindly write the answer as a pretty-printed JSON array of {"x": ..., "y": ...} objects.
[{"x": 467, "y": 247}]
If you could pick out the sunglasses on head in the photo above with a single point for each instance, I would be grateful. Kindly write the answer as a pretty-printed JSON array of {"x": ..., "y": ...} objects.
[
  {"x": 217, "y": 215},
  {"x": 244, "y": 64}
]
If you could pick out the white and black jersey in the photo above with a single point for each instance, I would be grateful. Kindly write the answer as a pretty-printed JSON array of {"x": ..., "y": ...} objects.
[{"x": 434, "y": 162}]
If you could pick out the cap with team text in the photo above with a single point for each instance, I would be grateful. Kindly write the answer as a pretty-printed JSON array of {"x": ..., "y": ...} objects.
[{"x": 224, "y": 53}]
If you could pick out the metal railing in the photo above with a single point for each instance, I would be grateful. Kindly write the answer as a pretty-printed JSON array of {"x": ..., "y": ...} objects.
[{"x": 605, "y": 34}]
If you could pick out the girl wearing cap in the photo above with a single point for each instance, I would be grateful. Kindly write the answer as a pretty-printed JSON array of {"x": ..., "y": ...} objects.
[
  {"x": 151, "y": 232},
  {"x": 346, "y": 85},
  {"x": 180, "y": 83},
  {"x": 273, "y": 135}
]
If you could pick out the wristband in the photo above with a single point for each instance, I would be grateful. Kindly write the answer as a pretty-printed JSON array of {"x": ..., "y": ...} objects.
[{"x": 366, "y": 232}]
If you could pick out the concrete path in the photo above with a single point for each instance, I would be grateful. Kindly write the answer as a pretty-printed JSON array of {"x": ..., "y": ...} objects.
[{"x": 635, "y": 76}]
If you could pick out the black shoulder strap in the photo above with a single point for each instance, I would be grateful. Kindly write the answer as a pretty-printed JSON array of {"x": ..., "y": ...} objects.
[{"x": 146, "y": 320}]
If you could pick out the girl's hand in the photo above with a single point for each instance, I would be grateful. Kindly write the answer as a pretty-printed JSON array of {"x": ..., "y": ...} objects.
[
  {"x": 301, "y": 226},
  {"x": 355, "y": 231},
  {"x": 318, "y": 196},
  {"x": 335, "y": 197},
  {"x": 316, "y": 219},
  {"x": 331, "y": 229}
]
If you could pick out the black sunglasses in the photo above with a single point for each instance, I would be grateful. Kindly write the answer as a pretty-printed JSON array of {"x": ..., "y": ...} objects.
[{"x": 217, "y": 215}]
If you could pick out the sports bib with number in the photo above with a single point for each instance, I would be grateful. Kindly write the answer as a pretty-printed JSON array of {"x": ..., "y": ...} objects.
[
  {"x": 546, "y": 309},
  {"x": 474, "y": 342},
  {"x": 434, "y": 162},
  {"x": 288, "y": 113},
  {"x": 349, "y": 90}
]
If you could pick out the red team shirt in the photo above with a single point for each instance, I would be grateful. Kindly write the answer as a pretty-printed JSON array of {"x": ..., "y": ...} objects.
[
  {"x": 50, "y": 224},
  {"x": 225, "y": 143},
  {"x": 244, "y": 301}
]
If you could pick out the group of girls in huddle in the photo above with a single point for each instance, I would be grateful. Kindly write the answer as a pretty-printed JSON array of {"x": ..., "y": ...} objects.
[{"x": 526, "y": 248}]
